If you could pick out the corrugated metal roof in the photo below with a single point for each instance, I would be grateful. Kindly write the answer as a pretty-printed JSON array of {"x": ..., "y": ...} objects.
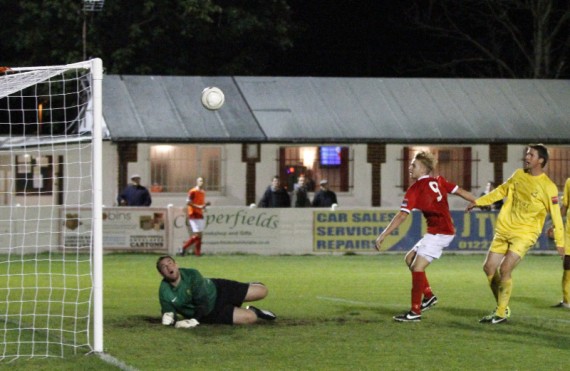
[
  {"x": 311, "y": 109},
  {"x": 168, "y": 108}
]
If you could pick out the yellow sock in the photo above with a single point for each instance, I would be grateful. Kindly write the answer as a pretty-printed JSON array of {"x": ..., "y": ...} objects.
[
  {"x": 566, "y": 286},
  {"x": 505, "y": 290},
  {"x": 494, "y": 282}
]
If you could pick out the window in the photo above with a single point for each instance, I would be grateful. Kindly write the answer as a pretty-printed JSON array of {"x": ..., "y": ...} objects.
[
  {"x": 174, "y": 168},
  {"x": 316, "y": 163},
  {"x": 34, "y": 174},
  {"x": 453, "y": 163},
  {"x": 558, "y": 166}
]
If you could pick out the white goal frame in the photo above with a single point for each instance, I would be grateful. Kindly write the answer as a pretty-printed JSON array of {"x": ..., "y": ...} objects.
[{"x": 15, "y": 80}]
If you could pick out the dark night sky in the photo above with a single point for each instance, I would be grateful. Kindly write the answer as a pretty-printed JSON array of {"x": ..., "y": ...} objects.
[{"x": 348, "y": 38}]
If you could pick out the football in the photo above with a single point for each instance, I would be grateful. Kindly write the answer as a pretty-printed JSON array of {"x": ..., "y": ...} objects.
[{"x": 213, "y": 98}]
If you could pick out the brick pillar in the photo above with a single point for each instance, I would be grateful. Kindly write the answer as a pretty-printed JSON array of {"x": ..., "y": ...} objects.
[
  {"x": 498, "y": 156},
  {"x": 127, "y": 153},
  {"x": 250, "y": 154},
  {"x": 376, "y": 155}
]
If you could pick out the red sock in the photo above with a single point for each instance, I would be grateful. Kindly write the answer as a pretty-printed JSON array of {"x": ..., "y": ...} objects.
[
  {"x": 189, "y": 243},
  {"x": 198, "y": 248},
  {"x": 418, "y": 283},
  {"x": 427, "y": 289}
]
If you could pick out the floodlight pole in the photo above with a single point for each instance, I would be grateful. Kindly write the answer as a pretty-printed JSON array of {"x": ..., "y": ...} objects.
[{"x": 89, "y": 6}]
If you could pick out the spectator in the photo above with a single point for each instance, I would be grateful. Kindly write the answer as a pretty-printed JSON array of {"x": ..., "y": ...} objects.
[
  {"x": 185, "y": 292},
  {"x": 275, "y": 195},
  {"x": 135, "y": 194},
  {"x": 324, "y": 197},
  {"x": 300, "y": 196}
]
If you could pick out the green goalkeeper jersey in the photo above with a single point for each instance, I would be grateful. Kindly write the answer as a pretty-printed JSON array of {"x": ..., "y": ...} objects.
[{"x": 194, "y": 296}]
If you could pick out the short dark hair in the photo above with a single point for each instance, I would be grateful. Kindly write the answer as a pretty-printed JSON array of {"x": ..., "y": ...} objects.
[
  {"x": 542, "y": 152},
  {"x": 161, "y": 258}
]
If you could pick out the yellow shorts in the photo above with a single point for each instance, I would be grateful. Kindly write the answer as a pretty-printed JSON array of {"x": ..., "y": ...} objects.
[
  {"x": 567, "y": 243},
  {"x": 517, "y": 244}
]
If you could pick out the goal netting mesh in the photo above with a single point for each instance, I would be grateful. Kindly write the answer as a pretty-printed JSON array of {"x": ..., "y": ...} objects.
[{"x": 49, "y": 199}]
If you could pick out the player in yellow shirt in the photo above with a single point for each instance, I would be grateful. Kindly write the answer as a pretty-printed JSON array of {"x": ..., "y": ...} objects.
[
  {"x": 530, "y": 195},
  {"x": 565, "y": 303}
]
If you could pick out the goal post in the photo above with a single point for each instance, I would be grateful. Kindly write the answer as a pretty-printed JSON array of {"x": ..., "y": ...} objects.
[{"x": 51, "y": 241}]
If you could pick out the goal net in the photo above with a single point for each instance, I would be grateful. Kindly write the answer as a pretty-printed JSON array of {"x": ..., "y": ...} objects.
[{"x": 50, "y": 210}]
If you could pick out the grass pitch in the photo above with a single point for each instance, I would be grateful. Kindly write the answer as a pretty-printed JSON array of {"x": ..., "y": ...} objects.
[{"x": 335, "y": 312}]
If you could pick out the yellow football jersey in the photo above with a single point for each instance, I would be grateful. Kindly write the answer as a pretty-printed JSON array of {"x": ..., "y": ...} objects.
[
  {"x": 566, "y": 203},
  {"x": 528, "y": 200},
  {"x": 566, "y": 197}
]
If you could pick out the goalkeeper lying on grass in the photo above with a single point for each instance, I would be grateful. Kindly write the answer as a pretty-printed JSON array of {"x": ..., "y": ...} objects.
[{"x": 198, "y": 299}]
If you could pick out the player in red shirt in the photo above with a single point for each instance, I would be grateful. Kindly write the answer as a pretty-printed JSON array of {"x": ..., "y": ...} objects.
[
  {"x": 428, "y": 194},
  {"x": 196, "y": 207}
]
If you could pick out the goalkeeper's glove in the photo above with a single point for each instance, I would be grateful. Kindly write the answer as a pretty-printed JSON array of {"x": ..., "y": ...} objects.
[
  {"x": 168, "y": 318},
  {"x": 187, "y": 323}
]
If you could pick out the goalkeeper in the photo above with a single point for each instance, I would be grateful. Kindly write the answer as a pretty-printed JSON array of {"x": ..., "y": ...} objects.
[
  {"x": 530, "y": 195},
  {"x": 185, "y": 292}
]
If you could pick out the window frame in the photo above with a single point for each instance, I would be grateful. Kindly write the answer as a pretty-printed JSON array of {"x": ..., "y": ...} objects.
[
  {"x": 192, "y": 162},
  {"x": 343, "y": 183},
  {"x": 24, "y": 180},
  {"x": 468, "y": 158}
]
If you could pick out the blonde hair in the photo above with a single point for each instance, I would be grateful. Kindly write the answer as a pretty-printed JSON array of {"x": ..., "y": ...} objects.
[{"x": 427, "y": 159}]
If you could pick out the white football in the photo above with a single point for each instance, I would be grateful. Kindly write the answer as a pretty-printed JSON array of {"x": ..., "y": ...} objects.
[{"x": 213, "y": 98}]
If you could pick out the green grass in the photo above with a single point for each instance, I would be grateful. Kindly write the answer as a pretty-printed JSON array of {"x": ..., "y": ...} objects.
[{"x": 335, "y": 312}]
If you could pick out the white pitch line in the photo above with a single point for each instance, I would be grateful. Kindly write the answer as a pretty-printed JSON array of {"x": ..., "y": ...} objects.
[
  {"x": 115, "y": 362},
  {"x": 356, "y": 302}
]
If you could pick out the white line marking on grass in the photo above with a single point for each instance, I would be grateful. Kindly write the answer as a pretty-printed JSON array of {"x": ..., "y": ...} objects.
[
  {"x": 347, "y": 301},
  {"x": 115, "y": 362}
]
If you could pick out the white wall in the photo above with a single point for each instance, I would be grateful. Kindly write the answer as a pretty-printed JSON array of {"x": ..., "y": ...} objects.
[
  {"x": 234, "y": 173},
  {"x": 359, "y": 196},
  {"x": 110, "y": 173}
]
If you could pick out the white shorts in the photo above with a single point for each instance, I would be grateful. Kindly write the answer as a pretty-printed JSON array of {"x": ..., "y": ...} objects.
[
  {"x": 197, "y": 225},
  {"x": 431, "y": 245}
]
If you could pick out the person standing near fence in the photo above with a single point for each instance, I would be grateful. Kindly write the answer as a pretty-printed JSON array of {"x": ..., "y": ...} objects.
[
  {"x": 275, "y": 195},
  {"x": 135, "y": 194},
  {"x": 429, "y": 195},
  {"x": 529, "y": 196},
  {"x": 197, "y": 204},
  {"x": 324, "y": 196},
  {"x": 300, "y": 195}
]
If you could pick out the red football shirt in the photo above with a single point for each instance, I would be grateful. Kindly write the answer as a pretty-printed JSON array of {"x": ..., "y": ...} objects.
[
  {"x": 429, "y": 195},
  {"x": 198, "y": 197}
]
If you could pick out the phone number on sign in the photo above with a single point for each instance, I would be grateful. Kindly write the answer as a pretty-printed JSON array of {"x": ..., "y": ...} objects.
[{"x": 474, "y": 245}]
